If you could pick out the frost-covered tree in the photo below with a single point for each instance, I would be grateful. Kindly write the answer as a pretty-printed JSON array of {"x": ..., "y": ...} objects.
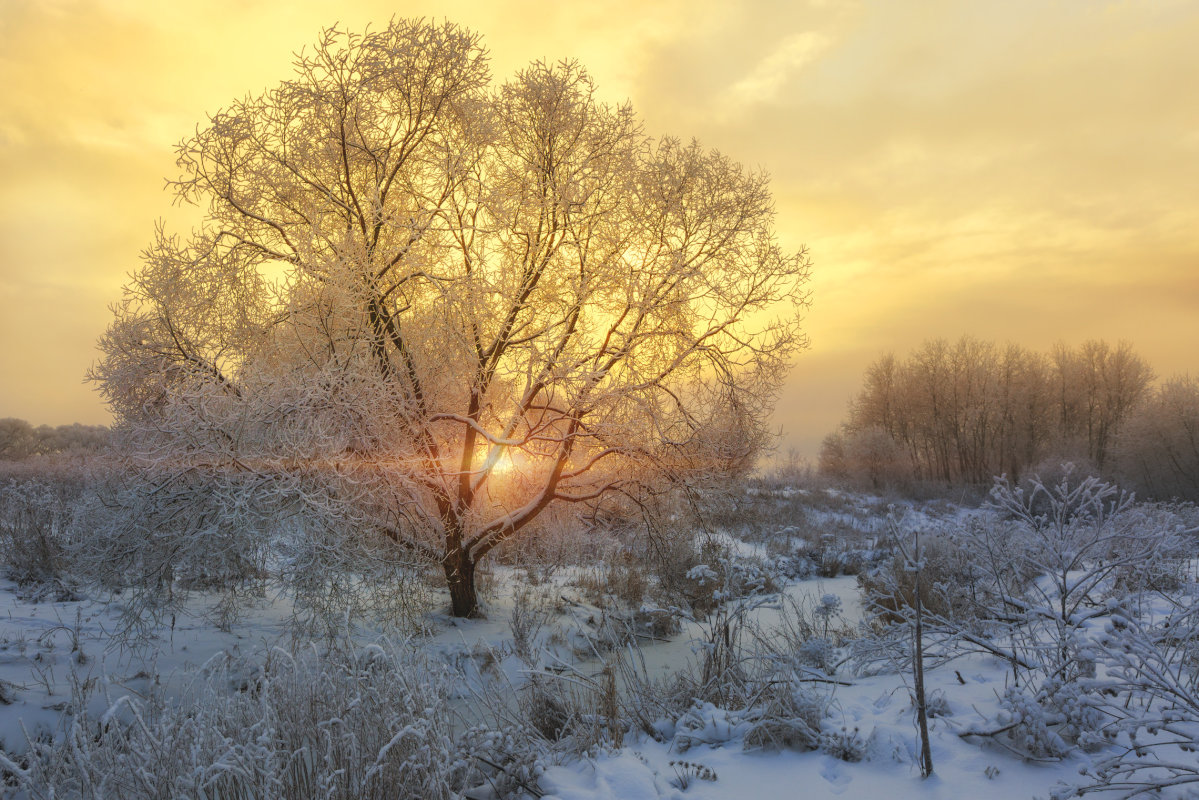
[
  {"x": 969, "y": 410},
  {"x": 1097, "y": 386},
  {"x": 447, "y": 307},
  {"x": 17, "y": 438},
  {"x": 1158, "y": 450}
]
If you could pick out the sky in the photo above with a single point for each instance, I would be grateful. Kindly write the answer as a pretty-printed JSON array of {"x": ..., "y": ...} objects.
[{"x": 1023, "y": 171}]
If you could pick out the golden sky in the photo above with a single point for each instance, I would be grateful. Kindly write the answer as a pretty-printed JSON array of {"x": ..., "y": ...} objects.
[{"x": 1024, "y": 170}]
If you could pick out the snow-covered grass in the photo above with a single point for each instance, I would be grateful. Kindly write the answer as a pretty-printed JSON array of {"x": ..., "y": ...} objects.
[{"x": 582, "y": 683}]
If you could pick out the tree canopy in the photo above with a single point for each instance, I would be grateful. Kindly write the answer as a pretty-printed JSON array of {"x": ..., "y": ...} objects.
[{"x": 467, "y": 303}]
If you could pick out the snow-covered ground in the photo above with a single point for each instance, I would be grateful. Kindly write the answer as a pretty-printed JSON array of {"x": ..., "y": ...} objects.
[
  {"x": 49, "y": 649},
  {"x": 54, "y": 652},
  {"x": 877, "y": 709}
]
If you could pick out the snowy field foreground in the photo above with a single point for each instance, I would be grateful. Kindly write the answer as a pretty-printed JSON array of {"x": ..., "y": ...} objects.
[
  {"x": 49, "y": 650},
  {"x": 1060, "y": 649}
]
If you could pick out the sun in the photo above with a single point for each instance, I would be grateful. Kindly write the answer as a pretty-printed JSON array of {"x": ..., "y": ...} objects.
[
  {"x": 497, "y": 461},
  {"x": 504, "y": 465}
]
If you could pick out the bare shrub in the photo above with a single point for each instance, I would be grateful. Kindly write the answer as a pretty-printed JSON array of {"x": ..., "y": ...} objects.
[
  {"x": 945, "y": 589},
  {"x": 622, "y": 582},
  {"x": 35, "y": 518},
  {"x": 790, "y": 717},
  {"x": 530, "y": 612}
]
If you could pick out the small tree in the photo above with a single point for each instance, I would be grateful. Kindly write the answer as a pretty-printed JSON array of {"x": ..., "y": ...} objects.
[
  {"x": 451, "y": 307},
  {"x": 911, "y": 557}
]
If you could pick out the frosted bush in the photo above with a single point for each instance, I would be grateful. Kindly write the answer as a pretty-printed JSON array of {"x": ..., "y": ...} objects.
[
  {"x": 788, "y": 715},
  {"x": 705, "y": 723},
  {"x": 508, "y": 761},
  {"x": 817, "y": 652},
  {"x": 1053, "y": 720},
  {"x": 793, "y": 567},
  {"x": 844, "y": 743},
  {"x": 1150, "y": 703},
  {"x": 369, "y": 723},
  {"x": 34, "y": 516},
  {"x": 1031, "y": 727},
  {"x": 726, "y": 576}
]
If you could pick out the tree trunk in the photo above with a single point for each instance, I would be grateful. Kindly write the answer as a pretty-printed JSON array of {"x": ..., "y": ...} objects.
[
  {"x": 926, "y": 754},
  {"x": 460, "y": 577}
]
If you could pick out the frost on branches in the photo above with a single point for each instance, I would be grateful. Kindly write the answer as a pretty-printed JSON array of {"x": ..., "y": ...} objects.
[{"x": 421, "y": 311}]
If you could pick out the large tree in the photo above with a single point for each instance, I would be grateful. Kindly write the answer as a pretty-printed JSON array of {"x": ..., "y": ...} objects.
[{"x": 451, "y": 306}]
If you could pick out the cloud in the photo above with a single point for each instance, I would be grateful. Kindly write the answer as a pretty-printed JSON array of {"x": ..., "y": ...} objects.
[{"x": 769, "y": 75}]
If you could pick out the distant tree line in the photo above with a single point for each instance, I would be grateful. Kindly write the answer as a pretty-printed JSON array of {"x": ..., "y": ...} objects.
[
  {"x": 967, "y": 411},
  {"x": 1157, "y": 451},
  {"x": 20, "y": 440}
]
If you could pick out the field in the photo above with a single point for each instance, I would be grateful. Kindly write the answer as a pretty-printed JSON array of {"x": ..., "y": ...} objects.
[{"x": 772, "y": 649}]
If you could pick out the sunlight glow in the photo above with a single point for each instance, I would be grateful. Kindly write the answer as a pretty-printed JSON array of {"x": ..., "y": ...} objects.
[{"x": 889, "y": 132}]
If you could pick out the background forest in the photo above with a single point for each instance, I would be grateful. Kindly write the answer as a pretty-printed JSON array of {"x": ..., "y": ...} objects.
[{"x": 963, "y": 412}]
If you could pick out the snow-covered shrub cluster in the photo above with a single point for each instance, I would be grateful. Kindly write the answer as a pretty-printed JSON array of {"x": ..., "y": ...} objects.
[
  {"x": 85, "y": 527},
  {"x": 764, "y": 687},
  {"x": 790, "y": 715},
  {"x": 948, "y": 577},
  {"x": 364, "y": 723},
  {"x": 677, "y": 566},
  {"x": 723, "y": 575},
  {"x": 34, "y": 516},
  {"x": 1091, "y": 601},
  {"x": 1150, "y": 699},
  {"x": 826, "y": 535}
]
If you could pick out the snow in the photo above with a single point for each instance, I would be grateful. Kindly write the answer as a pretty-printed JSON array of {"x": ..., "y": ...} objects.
[
  {"x": 47, "y": 647},
  {"x": 52, "y": 648},
  {"x": 878, "y": 707},
  {"x": 37, "y": 638}
]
